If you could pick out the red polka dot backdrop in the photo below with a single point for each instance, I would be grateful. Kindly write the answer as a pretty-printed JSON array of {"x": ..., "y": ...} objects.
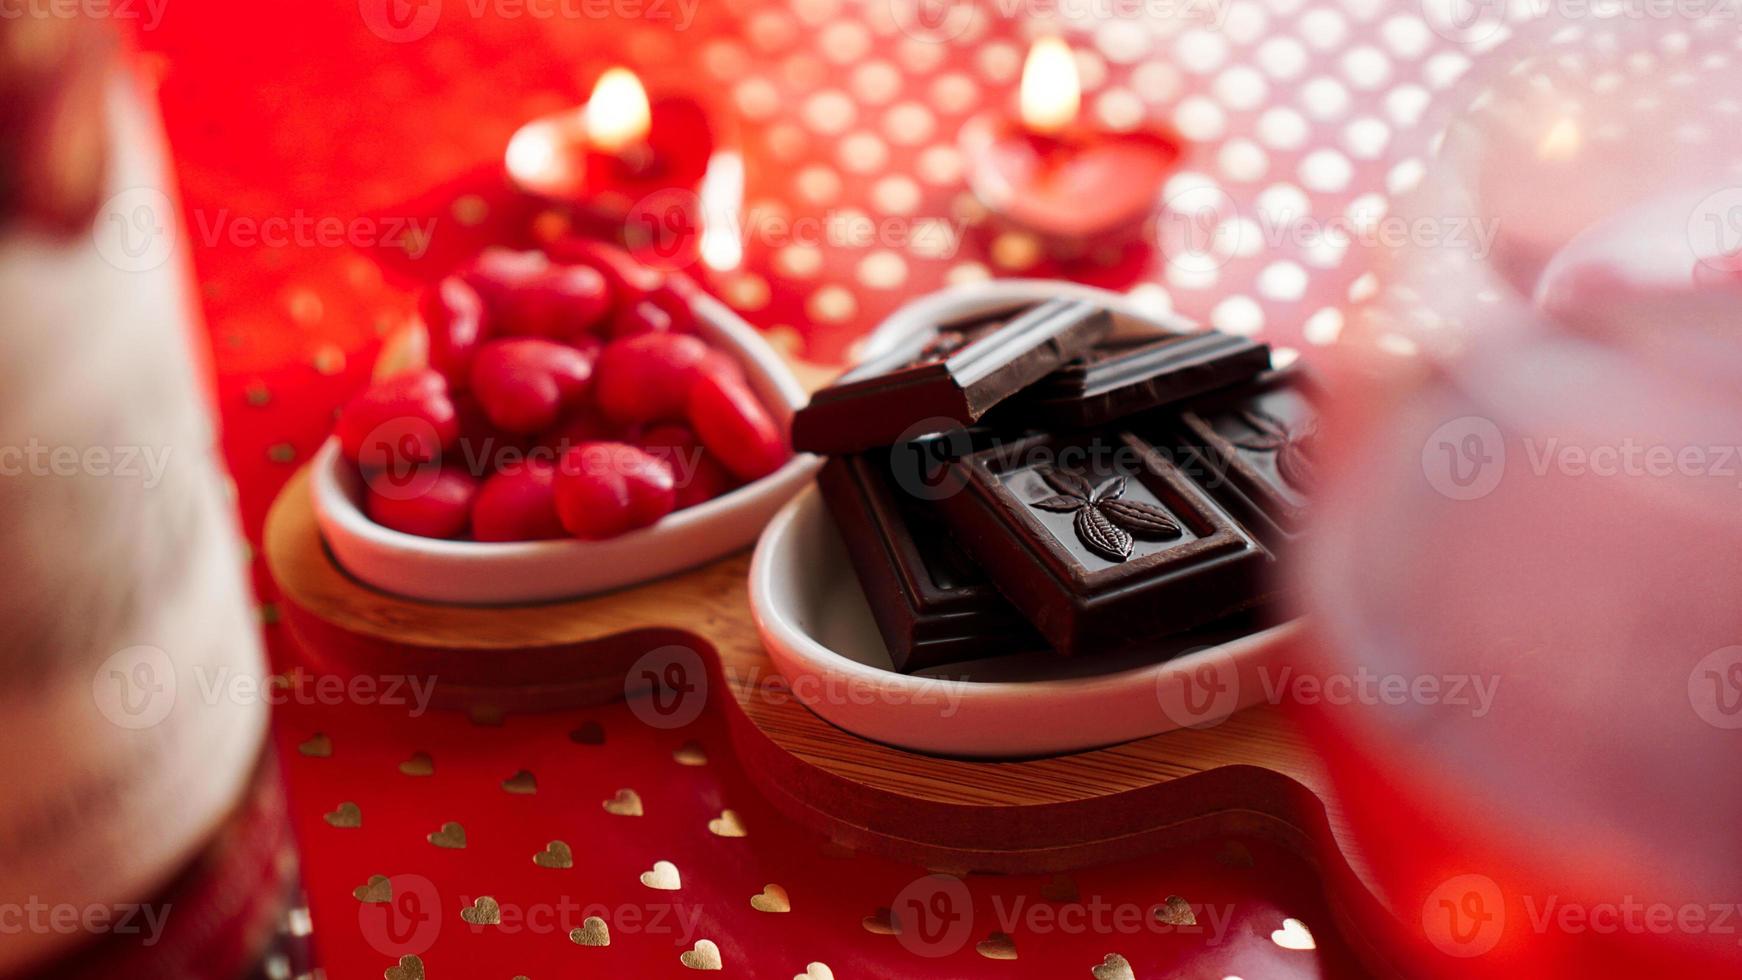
[{"x": 328, "y": 155}]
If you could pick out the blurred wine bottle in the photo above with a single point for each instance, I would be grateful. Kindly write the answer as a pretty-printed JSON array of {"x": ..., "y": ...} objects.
[{"x": 143, "y": 831}]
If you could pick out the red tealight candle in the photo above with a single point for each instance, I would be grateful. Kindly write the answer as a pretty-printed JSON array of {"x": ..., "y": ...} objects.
[
  {"x": 627, "y": 164},
  {"x": 1069, "y": 183}
]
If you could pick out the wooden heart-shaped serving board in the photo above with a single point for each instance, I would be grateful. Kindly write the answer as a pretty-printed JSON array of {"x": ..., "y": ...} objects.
[{"x": 1253, "y": 773}]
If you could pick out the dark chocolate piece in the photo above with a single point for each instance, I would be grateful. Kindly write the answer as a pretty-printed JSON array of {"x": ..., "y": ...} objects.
[
  {"x": 1256, "y": 445},
  {"x": 1126, "y": 375},
  {"x": 1101, "y": 540},
  {"x": 956, "y": 376},
  {"x": 932, "y": 604}
]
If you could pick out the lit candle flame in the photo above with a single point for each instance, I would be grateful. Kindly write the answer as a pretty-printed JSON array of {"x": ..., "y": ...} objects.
[
  {"x": 617, "y": 115},
  {"x": 1051, "y": 92}
]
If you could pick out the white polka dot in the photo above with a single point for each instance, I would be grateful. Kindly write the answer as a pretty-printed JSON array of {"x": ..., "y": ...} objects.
[
  {"x": 818, "y": 184},
  {"x": 1282, "y": 58},
  {"x": 1325, "y": 171},
  {"x": 896, "y": 194},
  {"x": 1284, "y": 282},
  {"x": 757, "y": 98},
  {"x": 1198, "y": 118},
  {"x": 1244, "y": 22},
  {"x": 1364, "y": 286},
  {"x": 1444, "y": 69},
  {"x": 1366, "y": 67},
  {"x": 1000, "y": 61},
  {"x": 1091, "y": 70},
  {"x": 920, "y": 57},
  {"x": 1156, "y": 81},
  {"x": 1118, "y": 109},
  {"x": 1200, "y": 51},
  {"x": 844, "y": 42},
  {"x": 875, "y": 82},
  {"x": 1283, "y": 204},
  {"x": 1366, "y": 137},
  {"x": 829, "y": 112},
  {"x": 1324, "y": 98},
  {"x": 1242, "y": 160},
  {"x": 862, "y": 153},
  {"x": 1192, "y": 275},
  {"x": 1241, "y": 87},
  {"x": 1238, "y": 315},
  {"x": 1406, "y": 35},
  {"x": 1365, "y": 212},
  {"x": 1405, "y": 103},
  {"x": 909, "y": 124},
  {"x": 1323, "y": 327},
  {"x": 883, "y": 270},
  {"x": 1120, "y": 43},
  {"x": 1238, "y": 238},
  {"x": 1325, "y": 250},
  {"x": 1152, "y": 299},
  {"x": 1323, "y": 28},
  {"x": 940, "y": 165},
  {"x": 1404, "y": 177},
  {"x": 954, "y": 93},
  {"x": 1282, "y": 128}
]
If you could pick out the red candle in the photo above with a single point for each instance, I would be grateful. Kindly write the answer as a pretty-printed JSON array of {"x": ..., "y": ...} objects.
[
  {"x": 1047, "y": 172},
  {"x": 625, "y": 165}
]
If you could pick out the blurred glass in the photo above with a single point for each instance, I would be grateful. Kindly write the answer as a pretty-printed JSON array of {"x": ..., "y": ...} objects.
[{"x": 1539, "y": 497}]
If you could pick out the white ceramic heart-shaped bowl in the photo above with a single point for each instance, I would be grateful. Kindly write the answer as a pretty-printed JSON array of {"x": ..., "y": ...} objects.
[
  {"x": 815, "y": 624},
  {"x": 540, "y": 571}
]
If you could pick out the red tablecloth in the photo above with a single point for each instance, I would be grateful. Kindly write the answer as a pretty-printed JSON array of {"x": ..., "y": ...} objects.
[{"x": 281, "y": 118}]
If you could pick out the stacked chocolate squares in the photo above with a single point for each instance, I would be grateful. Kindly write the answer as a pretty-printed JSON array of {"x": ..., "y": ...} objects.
[{"x": 1038, "y": 479}]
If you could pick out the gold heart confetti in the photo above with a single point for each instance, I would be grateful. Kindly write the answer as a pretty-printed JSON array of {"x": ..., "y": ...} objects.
[
  {"x": 1060, "y": 889},
  {"x": 593, "y": 932},
  {"x": 664, "y": 877},
  {"x": 451, "y": 835},
  {"x": 1176, "y": 911},
  {"x": 1114, "y": 967},
  {"x": 486, "y": 715},
  {"x": 690, "y": 754},
  {"x": 319, "y": 746},
  {"x": 1293, "y": 935},
  {"x": 348, "y": 816},
  {"x": 997, "y": 946},
  {"x": 556, "y": 854},
  {"x": 484, "y": 912},
  {"x": 522, "y": 783},
  {"x": 420, "y": 764},
  {"x": 881, "y": 923},
  {"x": 591, "y": 733},
  {"x": 727, "y": 824},
  {"x": 627, "y": 803},
  {"x": 379, "y": 889},
  {"x": 705, "y": 956},
  {"x": 409, "y": 968},
  {"x": 772, "y": 899},
  {"x": 816, "y": 971}
]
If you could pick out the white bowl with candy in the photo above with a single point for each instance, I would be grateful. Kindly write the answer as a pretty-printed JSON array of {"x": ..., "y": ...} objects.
[{"x": 576, "y": 424}]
